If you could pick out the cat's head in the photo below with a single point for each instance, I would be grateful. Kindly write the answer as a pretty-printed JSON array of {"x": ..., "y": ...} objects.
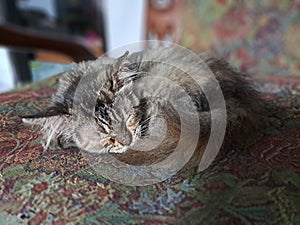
[{"x": 117, "y": 118}]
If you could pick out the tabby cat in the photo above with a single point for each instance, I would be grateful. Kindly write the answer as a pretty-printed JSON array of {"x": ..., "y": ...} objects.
[{"x": 136, "y": 105}]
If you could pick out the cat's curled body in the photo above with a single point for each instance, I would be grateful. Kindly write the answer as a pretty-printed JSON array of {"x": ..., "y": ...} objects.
[{"x": 120, "y": 105}]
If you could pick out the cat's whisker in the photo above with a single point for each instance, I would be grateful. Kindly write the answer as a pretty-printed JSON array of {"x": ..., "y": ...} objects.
[
  {"x": 145, "y": 121},
  {"x": 143, "y": 125},
  {"x": 53, "y": 131},
  {"x": 106, "y": 142},
  {"x": 140, "y": 130}
]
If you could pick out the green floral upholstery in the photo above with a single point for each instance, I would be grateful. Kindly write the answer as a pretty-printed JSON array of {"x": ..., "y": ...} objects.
[{"x": 257, "y": 186}]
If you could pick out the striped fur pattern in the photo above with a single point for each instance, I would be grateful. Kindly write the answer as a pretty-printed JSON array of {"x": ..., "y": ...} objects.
[{"x": 124, "y": 104}]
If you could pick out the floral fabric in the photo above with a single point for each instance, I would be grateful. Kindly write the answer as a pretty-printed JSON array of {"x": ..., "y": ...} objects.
[
  {"x": 259, "y": 185},
  {"x": 260, "y": 37}
]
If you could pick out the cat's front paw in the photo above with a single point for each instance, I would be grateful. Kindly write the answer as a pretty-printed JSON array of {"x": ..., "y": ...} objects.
[{"x": 118, "y": 150}]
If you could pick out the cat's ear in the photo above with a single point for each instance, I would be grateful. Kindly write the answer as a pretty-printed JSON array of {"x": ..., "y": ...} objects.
[
  {"x": 122, "y": 61},
  {"x": 117, "y": 69}
]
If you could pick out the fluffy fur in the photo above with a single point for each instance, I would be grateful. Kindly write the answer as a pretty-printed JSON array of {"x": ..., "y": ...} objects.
[{"x": 120, "y": 105}]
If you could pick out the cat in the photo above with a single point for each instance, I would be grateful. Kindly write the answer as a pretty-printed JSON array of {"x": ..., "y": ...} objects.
[{"x": 135, "y": 106}]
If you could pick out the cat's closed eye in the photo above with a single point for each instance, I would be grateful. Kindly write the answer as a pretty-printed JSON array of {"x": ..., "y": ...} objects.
[
  {"x": 132, "y": 122},
  {"x": 103, "y": 127}
]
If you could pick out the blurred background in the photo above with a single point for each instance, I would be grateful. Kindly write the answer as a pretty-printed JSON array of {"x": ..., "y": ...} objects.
[{"x": 39, "y": 39}]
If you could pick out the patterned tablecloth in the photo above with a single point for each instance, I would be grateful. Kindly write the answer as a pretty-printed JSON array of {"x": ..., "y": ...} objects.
[{"x": 259, "y": 185}]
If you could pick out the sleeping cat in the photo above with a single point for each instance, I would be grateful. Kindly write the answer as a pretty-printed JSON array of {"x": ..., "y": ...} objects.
[{"x": 143, "y": 105}]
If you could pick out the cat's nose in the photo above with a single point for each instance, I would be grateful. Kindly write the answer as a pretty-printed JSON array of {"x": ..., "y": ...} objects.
[
  {"x": 123, "y": 137},
  {"x": 115, "y": 142},
  {"x": 124, "y": 140}
]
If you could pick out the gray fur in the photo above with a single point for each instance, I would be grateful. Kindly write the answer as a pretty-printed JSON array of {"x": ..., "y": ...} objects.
[{"x": 135, "y": 88}]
